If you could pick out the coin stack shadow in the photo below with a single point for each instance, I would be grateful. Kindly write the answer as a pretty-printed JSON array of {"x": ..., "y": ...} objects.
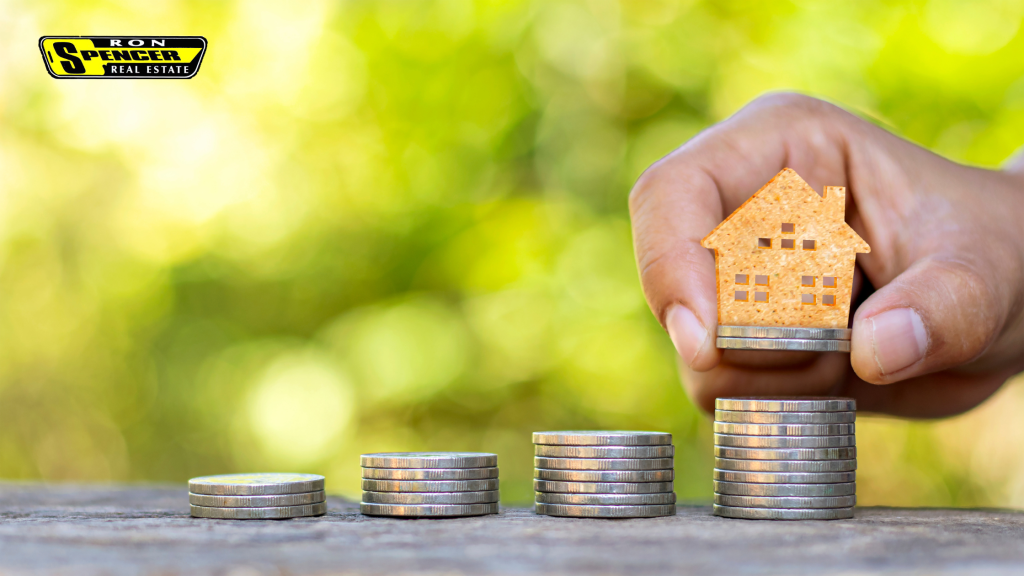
[
  {"x": 785, "y": 458},
  {"x": 604, "y": 474},
  {"x": 265, "y": 496},
  {"x": 429, "y": 484},
  {"x": 783, "y": 338}
]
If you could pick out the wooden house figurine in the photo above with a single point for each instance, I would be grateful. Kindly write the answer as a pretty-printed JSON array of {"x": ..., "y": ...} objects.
[{"x": 785, "y": 257}]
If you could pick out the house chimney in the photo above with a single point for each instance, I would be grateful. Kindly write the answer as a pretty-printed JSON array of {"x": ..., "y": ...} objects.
[{"x": 835, "y": 202}]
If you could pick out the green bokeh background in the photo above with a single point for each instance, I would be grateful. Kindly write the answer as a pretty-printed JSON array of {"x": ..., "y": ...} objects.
[{"x": 402, "y": 225}]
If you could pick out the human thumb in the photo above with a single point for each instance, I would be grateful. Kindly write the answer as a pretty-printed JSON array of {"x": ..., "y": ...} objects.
[{"x": 941, "y": 312}]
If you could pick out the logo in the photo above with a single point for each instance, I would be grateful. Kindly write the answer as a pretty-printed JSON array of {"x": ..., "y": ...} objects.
[{"x": 122, "y": 56}]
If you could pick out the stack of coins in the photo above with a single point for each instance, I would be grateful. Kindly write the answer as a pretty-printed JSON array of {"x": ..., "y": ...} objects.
[
  {"x": 257, "y": 496},
  {"x": 429, "y": 484},
  {"x": 781, "y": 338},
  {"x": 604, "y": 474},
  {"x": 785, "y": 458}
]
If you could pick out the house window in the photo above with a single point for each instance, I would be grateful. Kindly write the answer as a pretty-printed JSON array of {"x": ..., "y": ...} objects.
[
  {"x": 742, "y": 279},
  {"x": 760, "y": 296},
  {"x": 808, "y": 280},
  {"x": 741, "y": 295},
  {"x": 764, "y": 242},
  {"x": 788, "y": 244},
  {"x": 788, "y": 228},
  {"x": 761, "y": 279},
  {"x": 807, "y": 298},
  {"x": 828, "y": 300},
  {"x": 828, "y": 281},
  {"x": 810, "y": 244}
]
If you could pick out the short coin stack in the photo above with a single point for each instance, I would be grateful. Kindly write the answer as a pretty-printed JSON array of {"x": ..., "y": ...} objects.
[
  {"x": 782, "y": 338},
  {"x": 604, "y": 474},
  {"x": 429, "y": 484},
  {"x": 268, "y": 496},
  {"x": 785, "y": 458}
]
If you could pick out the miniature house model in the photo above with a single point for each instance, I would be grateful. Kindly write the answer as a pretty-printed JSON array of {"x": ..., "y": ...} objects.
[{"x": 785, "y": 257}]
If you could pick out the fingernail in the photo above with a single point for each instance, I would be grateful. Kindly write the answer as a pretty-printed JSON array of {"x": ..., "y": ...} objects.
[
  {"x": 899, "y": 339},
  {"x": 687, "y": 333}
]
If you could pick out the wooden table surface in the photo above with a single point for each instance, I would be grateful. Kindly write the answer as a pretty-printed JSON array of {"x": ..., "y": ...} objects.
[{"x": 76, "y": 529}]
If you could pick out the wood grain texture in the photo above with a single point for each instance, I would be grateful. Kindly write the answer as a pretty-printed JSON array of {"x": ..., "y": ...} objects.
[
  {"x": 89, "y": 530},
  {"x": 786, "y": 199}
]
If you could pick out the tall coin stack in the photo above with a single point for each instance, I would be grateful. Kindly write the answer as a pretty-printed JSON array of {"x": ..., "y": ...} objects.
[
  {"x": 429, "y": 484},
  {"x": 269, "y": 496},
  {"x": 785, "y": 458},
  {"x": 604, "y": 474}
]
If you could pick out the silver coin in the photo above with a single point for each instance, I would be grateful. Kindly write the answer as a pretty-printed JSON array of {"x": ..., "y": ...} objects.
[
  {"x": 606, "y": 511},
  {"x": 786, "y": 454},
  {"x": 786, "y": 404},
  {"x": 784, "y": 429},
  {"x": 784, "y": 477},
  {"x": 259, "y": 484},
  {"x": 602, "y": 438},
  {"x": 785, "y": 502},
  {"x": 782, "y": 513},
  {"x": 430, "y": 485},
  {"x": 430, "y": 473},
  {"x": 784, "y": 332},
  {"x": 789, "y": 490},
  {"x": 428, "y": 460},
  {"x": 846, "y": 440},
  {"x": 603, "y": 463},
  {"x": 786, "y": 465},
  {"x": 276, "y": 500},
  {"x": 604, "y": 451},
  {"x": 741, "y": 417},
  {"x": 484, "y": 497},
  {"x": 604, "y": 476},
  {"x": 783, "y": 344},
  {"x": 427, "y": 510},
  {"x": 606, "y": 499},
  {"x": 602, "y": 487},
  {"x": 265, "y": 513}
]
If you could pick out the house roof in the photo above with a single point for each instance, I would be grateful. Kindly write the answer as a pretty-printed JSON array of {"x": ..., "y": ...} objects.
[{"x": 787, "y": 198}]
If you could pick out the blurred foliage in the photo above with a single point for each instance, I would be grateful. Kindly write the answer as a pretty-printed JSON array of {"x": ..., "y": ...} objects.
[{"x": 402, "y": 225}]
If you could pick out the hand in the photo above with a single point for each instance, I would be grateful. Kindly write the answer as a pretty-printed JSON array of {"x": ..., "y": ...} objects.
[{"x": 943, "y": 330}]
